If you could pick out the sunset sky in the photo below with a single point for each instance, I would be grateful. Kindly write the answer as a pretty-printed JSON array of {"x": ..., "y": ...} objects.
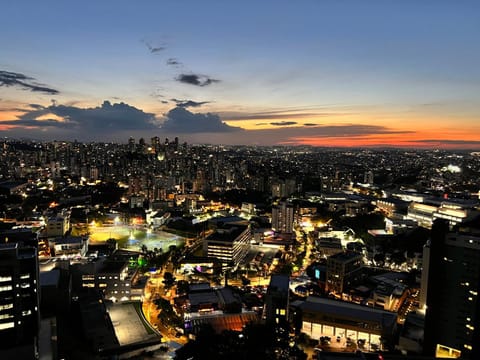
[{"x": 325, "y": 73}]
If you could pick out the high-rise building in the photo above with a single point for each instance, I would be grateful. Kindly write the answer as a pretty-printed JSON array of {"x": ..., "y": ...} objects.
[
  {"x": 276, "y": 300},
  {"x": 452, "y": 322},
  {"x": 131, "y": 144},
  {"x": 282, "y": 217},
  {"x": 19, "y": 300}
]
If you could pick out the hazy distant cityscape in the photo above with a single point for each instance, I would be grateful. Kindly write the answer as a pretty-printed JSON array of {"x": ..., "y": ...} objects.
[{"x": 156, "y": 248}]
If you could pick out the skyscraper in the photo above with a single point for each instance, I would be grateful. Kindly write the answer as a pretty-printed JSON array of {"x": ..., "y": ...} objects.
[
  {"x": 282, "y": 217},
  {"x": 19, "y": 300},
  {"x": 452, "y": 323}
]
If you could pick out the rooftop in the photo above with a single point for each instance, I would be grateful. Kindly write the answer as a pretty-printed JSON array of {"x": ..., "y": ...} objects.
[
  {"x": 228, "y": 234},
  {"x": 345, "y": 309},
  {"x": 345, "y": 256}
]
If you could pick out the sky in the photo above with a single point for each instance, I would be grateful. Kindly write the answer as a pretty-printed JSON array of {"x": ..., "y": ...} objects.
[{"x": 345, "y": 73}]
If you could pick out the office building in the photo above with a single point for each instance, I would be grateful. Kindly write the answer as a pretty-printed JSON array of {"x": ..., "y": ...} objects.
[{"x": 229, "y": 243}]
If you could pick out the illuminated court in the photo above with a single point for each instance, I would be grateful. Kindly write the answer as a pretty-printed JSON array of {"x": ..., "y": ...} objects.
[{"x": 133, "y": 238}]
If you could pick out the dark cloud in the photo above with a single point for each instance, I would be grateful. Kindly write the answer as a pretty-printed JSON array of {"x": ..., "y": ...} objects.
[
  {"x": 197, "y": 80},
  {"x": 180, "y": 120},
  {"x": 283, "y": 123},
  {"x": 272, "y": 115},
  {"x": 36, "y": 106},
  {"x": 173, "y": 62},
  {"x": 8, "y": 78},
  {"x": 45, "y": 123},
  {"x": 189, "y": 103},
  {"x": 154, "y": 49},
  {"x": 98, "y": 120},
  {"x": 351, "y": 130},
  {"x": 310, "y": 124}
]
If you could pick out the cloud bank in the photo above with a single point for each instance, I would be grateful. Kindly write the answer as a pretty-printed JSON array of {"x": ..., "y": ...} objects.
[
  {"x": 180, "y": 120},
  {"x": 101, "y": 122}
]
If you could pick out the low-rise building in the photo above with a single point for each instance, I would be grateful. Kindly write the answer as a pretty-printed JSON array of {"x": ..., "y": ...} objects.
[
  {"x": 57, "y": 226},
  {"x": 318, "y": 317},
  {"x": 110, "y": 276},
  {"x": 329, "y": 246},
  {"x": 71, "y": 246}
]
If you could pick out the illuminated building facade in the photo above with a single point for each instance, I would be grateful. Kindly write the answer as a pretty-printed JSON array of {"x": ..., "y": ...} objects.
[
  {"x": 229, "y": 244},
  {"x": 57, "y": 226},
  {"x": 109, "y": 276},
  {"x": 318, "y": 317},
  {"x": 452, "y": 323},
  {"x": 282, "y": 217}
]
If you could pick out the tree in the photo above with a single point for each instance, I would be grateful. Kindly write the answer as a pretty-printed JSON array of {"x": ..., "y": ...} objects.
[{"x": 168, "y": 279}]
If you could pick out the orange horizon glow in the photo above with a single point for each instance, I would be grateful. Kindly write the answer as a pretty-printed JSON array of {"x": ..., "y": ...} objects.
[{"x": 395, "y": 129}]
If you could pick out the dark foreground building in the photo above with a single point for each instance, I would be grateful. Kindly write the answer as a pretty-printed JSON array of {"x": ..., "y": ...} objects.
[
  {"x": 452, "y": 323},
  {"x": 19, "y": 301}
]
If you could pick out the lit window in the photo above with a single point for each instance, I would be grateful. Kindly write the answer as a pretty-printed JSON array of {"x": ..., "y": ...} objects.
[
  {"x": 6, "y": 306},
  {"x": 8, "y": 325}
]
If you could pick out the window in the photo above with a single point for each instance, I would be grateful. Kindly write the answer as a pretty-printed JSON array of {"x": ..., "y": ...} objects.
[
  {"x": 6, "y": 307},
  {"x": 6, "y": 288},
  {"x": 8, "y": 325}
]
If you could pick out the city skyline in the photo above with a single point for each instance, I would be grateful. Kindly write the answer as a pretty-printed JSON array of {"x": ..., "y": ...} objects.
[{"x": 372, "y": 73}]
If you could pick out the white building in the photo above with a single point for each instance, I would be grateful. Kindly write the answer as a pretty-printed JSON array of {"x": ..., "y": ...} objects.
[
  {"x": 70, "y": 246},
  {"x": 57, "y": 226}
]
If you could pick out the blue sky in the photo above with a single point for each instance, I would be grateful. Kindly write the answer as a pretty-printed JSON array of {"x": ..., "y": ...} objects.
[{"x": 276, "y": 72}]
